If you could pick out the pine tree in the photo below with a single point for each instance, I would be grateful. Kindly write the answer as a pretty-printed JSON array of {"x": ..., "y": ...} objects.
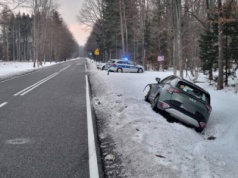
[
  {"x": 208, "y": 50},
  {"x": 208, "y": 46}
]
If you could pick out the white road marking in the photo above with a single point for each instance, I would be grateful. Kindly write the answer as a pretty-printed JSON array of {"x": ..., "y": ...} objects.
[
  {"x": 27, "y": 91},
  {"x": 22, "y": 75},
  {"x": 93, "y": 166},
  {"x": 64, "y": 69},
  {"x": 3, "y": 104},
  {"x": 18, "y": 141},
  {"x": 36, "y": 84},
  {"x": 33, "y": 85}
]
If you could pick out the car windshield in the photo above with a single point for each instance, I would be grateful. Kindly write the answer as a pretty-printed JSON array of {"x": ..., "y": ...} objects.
[{"x": 194, "y": 91}]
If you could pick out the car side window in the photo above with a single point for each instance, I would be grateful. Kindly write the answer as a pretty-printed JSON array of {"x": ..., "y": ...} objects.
[
  {"x": 174, "y": 82},
  {"x": 165, "y": 79},
  {"x": 130, "y": 62}
]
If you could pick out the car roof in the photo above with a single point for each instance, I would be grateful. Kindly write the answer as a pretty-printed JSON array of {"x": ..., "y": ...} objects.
[{"x": 114, "y": 59}]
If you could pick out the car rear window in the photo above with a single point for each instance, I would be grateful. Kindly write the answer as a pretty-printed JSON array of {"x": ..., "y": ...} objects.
[{"x": 191, "y": 90}]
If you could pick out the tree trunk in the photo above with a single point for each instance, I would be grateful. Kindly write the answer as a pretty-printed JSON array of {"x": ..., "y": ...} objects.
[
  {"x": 209, "y": 29},
  {"x": 122, "y": 27},
  {"x": 220, "y": 47},
  {"x": 14, "y": 43},
  {"x": 177, "y": 8},
  {"x": 125, "y": 25}
]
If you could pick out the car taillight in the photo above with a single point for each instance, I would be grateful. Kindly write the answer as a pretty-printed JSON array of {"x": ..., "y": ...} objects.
[
  {"x": 173, "y": 90},
  {"x": 202, "y": 124},
  {"x": 209, "y": 108},
  {"x": 165, "y": 105}
]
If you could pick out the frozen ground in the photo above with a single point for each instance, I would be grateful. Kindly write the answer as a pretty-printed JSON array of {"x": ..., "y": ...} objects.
[
  {"x": 146, "y": 143},
  {"x": 8, "y": 69},
  {"x": 150, "y": 146}
]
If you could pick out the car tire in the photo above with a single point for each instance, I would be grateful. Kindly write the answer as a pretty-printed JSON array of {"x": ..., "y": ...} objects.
[
  {"x": 154, "y": 103},
  {"x": 103, "y": 67},
  {"x": 147, "y": 96},
  {"x": 199, "y": 129},
  {"x": 119, "y": 70},
  {"x": 140, "y": 70}
]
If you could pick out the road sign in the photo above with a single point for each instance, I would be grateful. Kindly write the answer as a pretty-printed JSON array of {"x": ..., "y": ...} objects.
[
  {"x": 97, "y": 52},
  {"x": 160, "y": 58}
]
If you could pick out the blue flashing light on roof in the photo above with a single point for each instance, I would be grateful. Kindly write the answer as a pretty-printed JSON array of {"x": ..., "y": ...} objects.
[{"x": 125, "y": 58}]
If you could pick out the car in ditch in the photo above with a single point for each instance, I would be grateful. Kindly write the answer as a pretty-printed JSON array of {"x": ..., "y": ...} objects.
[{"x": 181, "y": 99}]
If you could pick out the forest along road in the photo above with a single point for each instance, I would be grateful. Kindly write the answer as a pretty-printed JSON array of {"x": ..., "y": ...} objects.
[{"x": 44, "y": 126}]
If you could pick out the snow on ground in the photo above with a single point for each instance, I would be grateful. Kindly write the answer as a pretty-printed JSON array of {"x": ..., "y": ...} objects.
[
  {"x": 149, "y": 145},
  {"x": 152, "y": 147},
  {"x": 9, "y": 69}
]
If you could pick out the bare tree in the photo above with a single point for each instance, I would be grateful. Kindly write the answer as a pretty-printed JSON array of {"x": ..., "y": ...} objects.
[
  {"x": 11, "y": 4},
  {"x": 142, "y": 16},
  {"x": 122, "y": 25},
  {"x": 177, "y": 19},
  {"x": 41, "y": 10},
  {"x": 91, "y": 15},
  {"x": 222, "y": 20},
  {"x": 91, "y": 12}
]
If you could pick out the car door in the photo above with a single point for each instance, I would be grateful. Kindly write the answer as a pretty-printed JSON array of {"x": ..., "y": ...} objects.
[
  {"x": 131, "y": 66},
  {"x": 121, "y": 64},
  {"x": 161, "y": 86}
]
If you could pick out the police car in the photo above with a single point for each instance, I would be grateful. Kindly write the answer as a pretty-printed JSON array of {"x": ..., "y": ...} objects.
[
  {"x": 125, "y": 66},
  {"x": 101, "y": 65}
]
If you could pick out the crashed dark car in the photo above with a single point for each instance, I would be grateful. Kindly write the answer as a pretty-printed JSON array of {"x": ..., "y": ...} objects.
[{"x": 181, "y": 99}]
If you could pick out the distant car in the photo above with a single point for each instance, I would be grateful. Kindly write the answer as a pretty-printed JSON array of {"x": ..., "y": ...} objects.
[
  {"x": 109, "y": 62},
  {"x": 101, "y": 65},
  {"x": 119, "y": 65},
  {"x": 181, "y": 99}
]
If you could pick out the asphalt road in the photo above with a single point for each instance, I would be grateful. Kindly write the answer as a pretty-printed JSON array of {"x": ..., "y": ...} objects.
[{"x": 43, "y": 129}]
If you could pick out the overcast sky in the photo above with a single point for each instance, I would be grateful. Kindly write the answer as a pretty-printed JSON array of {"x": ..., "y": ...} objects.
[{"x": 69, "y": 9}]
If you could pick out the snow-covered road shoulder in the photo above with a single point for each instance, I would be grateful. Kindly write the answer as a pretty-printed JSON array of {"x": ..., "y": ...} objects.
[{"x": 149, "y": 145}]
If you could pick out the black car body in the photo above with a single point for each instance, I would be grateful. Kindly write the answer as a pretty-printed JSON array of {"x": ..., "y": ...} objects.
[{"x": 182, "y": 99}]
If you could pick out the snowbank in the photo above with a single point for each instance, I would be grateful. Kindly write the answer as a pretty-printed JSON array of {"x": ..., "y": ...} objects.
[{"x": 150, "y": 146}]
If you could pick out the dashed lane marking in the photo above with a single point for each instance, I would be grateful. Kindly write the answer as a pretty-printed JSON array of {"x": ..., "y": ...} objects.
[{"x": 3, "y": 104}]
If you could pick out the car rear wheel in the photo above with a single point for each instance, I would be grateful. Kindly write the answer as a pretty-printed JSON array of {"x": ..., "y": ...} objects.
[
  {"x": 154, "y": 103},
  {"x": 140, "y": 71},
  {"x": 199, "y": 129},
  {"x": 147, "y": 96},
  {"x": 103, "y": 67},
  {"x": 119, "y": 70}
]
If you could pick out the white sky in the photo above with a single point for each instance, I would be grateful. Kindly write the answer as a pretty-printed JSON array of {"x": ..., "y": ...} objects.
[{"x": 69, "y": 9}]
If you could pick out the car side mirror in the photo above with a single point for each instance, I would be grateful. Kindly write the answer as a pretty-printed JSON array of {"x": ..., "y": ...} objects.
[{"x": 157, "y": 79}]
